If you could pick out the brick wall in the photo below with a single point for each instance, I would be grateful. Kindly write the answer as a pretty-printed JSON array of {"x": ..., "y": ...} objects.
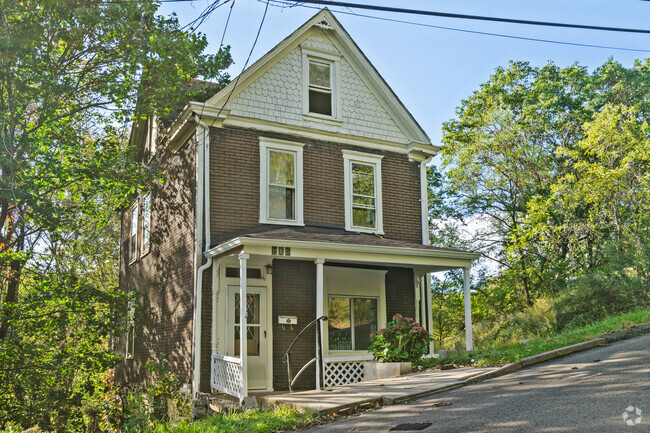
[
  {"x": 235, "y": 186},
  {"x": 400, "y": 292},
  {"x": 164, "y": 277},
  {"x": 294, "y": 294}
]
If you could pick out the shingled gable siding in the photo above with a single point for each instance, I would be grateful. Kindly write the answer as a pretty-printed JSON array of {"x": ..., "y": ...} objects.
[
  {"x": 235, "y": 184},
  {"x": 294, "y": 294},
  {"x": 164, "y": 277}
]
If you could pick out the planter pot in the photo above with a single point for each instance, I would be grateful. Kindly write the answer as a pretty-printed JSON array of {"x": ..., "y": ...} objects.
[{"x": 384, "y": 370}]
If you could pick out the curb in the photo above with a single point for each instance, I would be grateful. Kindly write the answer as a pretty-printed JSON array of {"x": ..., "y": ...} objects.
[
  {"x": 507, "y": 369},
  {"x": 538, "y": 359}
]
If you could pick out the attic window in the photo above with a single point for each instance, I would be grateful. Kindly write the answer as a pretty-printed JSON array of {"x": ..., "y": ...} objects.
[
  {"x": 321, "y": 82},
  {"x": 320, "y": 87}
]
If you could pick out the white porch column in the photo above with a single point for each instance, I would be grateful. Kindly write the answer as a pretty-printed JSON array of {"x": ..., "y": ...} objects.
[
  {"x": 418, "y": 291},
  {"x": 319, "y": 313},
  {"x": 243, "y": 328},
  {"x": 215, "y": 293},
  {"x": 468, "y": 311},
  {"x": 429, "y": 312}
]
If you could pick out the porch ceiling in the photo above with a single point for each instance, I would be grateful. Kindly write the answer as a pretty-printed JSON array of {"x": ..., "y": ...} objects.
[{"x": 341, "y": 246}]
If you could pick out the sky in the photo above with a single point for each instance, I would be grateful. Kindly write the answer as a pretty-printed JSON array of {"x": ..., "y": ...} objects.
[{"x": 433, "y": 69}]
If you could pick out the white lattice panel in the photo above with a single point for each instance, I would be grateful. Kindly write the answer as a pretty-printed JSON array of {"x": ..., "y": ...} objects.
[
  {"x": 226, "y": 375},
  {"x": 342, "y": 373}
]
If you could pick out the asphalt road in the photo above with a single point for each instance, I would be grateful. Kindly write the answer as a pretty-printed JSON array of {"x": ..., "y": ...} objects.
[{"x": 584, "y": 392}]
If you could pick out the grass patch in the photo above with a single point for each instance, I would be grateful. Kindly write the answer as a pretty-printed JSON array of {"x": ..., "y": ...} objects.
[
  {"x": 276, "y": 420},
  {"x": 507, "y": 353}
]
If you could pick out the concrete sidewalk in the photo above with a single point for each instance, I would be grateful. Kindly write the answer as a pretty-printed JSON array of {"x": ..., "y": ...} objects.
[{"x": 384, "y": 391}]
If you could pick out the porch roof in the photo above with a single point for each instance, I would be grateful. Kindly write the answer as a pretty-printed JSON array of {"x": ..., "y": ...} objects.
[{"x": 342, "y": 246}]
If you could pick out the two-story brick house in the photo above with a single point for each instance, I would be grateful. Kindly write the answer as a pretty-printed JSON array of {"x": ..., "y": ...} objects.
[{"x": 301, "y": 184}]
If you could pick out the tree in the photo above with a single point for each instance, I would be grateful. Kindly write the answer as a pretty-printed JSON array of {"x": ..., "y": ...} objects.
[
  {"x": 514, "y": 144},
  {"x": 73, "y": 75}
]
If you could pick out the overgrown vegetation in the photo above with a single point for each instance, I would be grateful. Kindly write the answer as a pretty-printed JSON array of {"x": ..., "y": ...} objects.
[
  {"x": 275, "y": 420},
  {"x": 504, "y": 353},
  {"x": 73, "y": 76},
  {"x": 551, "y": 166}
]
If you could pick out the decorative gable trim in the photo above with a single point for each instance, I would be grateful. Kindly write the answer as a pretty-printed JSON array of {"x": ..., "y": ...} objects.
[{"x": 359, "y": 62}]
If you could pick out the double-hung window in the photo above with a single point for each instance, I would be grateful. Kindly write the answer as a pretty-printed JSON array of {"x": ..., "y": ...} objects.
[
  {"x": 320, "y": 87},
  {"x": 133, "y": 234},
  {"x": 281, "y": 194},
  {"x": 363, "y": 201},
  {"x": 146, "y": 223},
  {"x": 320, "y": 80}
]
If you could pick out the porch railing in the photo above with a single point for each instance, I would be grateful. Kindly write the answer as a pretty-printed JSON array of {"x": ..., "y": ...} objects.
[
  {"x": 319, "y": 352},
  {"x": 226, "y": 375}
]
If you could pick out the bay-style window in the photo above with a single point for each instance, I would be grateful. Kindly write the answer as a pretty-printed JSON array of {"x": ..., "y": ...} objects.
[
  {"x": 363, "y": 201},
  {"x": 281, "y": 190}
]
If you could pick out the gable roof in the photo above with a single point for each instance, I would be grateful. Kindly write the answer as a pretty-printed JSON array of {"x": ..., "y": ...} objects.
[{"x": 325, "y": 20}]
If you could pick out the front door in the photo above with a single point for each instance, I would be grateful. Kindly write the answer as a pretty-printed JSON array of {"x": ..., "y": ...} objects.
[{"x": 255, "y": 332}]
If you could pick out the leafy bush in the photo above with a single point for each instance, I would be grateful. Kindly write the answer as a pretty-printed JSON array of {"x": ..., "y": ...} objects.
[
  {"x": 599, "y": 295},
  {"x": 403, "y": 340},
  {"x": 536, "y": 321}
]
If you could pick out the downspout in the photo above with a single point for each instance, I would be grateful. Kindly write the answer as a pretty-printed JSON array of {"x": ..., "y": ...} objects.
[
  {"x": 427, "y": 314},
  {"x": 204, "y": 203}
]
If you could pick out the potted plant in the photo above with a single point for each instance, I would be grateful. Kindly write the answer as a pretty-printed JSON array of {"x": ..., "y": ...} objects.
[{"x": 401, "y": 342}]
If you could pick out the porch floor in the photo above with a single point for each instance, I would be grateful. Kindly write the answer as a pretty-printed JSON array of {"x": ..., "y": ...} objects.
[{"x": 385, "y": 391}]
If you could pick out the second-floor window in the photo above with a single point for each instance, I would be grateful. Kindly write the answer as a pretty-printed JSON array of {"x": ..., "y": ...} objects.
[
  {"x": 133, "y": 234},
  {"x": 281, "y": 192},
  {"x": 363, "y": 198},
  {"x": 146, "y": 223}
]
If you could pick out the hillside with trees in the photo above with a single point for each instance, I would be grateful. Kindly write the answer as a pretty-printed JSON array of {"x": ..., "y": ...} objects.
[{"x": 552, "y": 165}]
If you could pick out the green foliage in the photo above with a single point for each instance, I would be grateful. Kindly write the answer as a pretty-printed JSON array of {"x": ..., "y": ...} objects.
[
  {"x": 619, "y": 286},
  {"x": 109, "y": 408},
  {"x": 57, "y": 343},
  {"x": 74, "y": 75},
  {"x": 278, "y": 419},
  {"x": 499, "y": 354},
  {"x": 536, "y": 321},
  {"x": 554, "y": 162},
  {"x": 403, "y": 340}
]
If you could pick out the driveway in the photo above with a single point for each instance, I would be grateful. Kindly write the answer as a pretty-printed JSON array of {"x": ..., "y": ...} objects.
[{"x": 586, "y": 392}]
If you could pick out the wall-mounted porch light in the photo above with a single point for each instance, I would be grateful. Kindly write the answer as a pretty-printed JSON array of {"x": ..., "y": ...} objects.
[{"x": 269, "y": 269}]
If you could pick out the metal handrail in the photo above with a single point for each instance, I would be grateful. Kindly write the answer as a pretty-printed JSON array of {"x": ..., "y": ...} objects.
[{"x": 319, "y": 352}]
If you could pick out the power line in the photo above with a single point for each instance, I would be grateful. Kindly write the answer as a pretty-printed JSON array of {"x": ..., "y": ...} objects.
[
  {"x": 223, "y": 35},
  {"x": 471, "y": 17},
  {"x": 259, "y": 30},
  {"x": 477, "y": 32}
]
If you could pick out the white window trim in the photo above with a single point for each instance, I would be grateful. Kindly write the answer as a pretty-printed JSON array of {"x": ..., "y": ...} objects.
[
  {"x": 129, "y": 349},
  {"x": 269, "y": 144},
  {"x": 133, "y": 257},
  {"x": 146, "y": 247},
  {"x": 332, "y": 59},
  {"x": 355, "y": 283},
  {"x": 350, "y": 156}
]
